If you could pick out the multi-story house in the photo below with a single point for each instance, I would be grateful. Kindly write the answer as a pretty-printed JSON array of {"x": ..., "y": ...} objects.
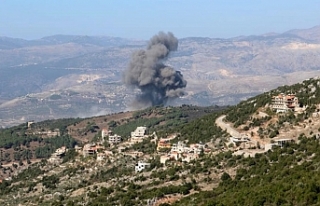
[
  {"x": 284, "y": 103},
  {"x": 180, "y": 147},
  {"x": 115, "y": 139},
  {"x": 139, "y": 134}
]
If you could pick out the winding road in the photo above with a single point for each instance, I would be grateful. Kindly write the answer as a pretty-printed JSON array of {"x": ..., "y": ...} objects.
[{"x": 227, "y": 126}]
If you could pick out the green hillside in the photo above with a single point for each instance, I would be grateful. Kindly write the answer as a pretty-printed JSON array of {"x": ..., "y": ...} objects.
[
  {"x": 288, "y": 176},
  {"x": 223, "y": 172}
]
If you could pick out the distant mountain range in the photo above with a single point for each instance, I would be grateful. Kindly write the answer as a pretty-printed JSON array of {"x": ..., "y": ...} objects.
[{"x": 86, "y": 71}]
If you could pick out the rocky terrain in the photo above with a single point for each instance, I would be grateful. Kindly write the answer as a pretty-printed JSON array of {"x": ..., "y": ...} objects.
[{"x": 77, "y": 76}]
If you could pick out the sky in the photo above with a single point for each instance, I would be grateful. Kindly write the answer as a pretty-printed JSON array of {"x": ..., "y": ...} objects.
[{"x": 141, "y": 19}]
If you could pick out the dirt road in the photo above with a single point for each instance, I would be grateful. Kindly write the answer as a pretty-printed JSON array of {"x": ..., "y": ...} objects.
[{"x": 227, "y": 126}]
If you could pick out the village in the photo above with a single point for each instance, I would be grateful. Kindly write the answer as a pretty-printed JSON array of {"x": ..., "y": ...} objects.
[
  {"x": 171, "y": 150},
  {"x": 144, "y": 154},
  {"x": 168, "y": 151}
]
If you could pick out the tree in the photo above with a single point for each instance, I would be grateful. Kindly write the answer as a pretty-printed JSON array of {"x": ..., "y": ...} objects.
[{"x": 225, "y": 177}]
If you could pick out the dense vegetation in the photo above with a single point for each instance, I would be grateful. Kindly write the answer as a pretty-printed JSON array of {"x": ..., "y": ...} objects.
[
  {"x": 20, "y": 138},
  {"x": 201, "y": 130},
  {"x": 51, "y": 144},
  {"x": 287, "y": 176},
  {"x": 18, "y": 135},
  {"x": 60, "y": 124},
  {"x": 161, "y": 119}
]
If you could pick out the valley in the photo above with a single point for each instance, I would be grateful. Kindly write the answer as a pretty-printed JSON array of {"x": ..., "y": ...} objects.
[
  {"x": 245, "y": 132},
  {"x": 217, "y": 71}
]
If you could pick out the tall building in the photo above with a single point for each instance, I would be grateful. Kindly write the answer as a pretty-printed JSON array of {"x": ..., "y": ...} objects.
[{"x": 284, "y": 103}]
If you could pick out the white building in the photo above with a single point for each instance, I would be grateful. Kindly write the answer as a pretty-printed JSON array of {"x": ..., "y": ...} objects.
[
  {"x": 180, "y": 147},
  {"x": 164, "y": 158},
  {"x": 282, "y": 142},
  {"x": 197, "y": 148},
  {"x": 239, "y": 140},
  {"x": 269, "y": 146},
  {"x": 78, "y": 148},
  {"x": 115, "y": 139},
  {"x": 283, "y": 103},
  {"x": 104, "y": 133},
  {"x": 139, "y": 134},
  {"x": 89, "y": 149},
  {"x": 61, "y": 151},
  {"x": 101, "y": 156},
  {"x": 185, "y": 157},
  {"x": 278, "y": 142},
  {"x": 140, "y": 166},
  {"x": 189, "y": 156},
  {"x": 56, "y": 156}
]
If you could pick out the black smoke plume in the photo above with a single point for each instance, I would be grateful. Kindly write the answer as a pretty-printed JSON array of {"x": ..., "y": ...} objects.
[{"x": 146, "y": 71}]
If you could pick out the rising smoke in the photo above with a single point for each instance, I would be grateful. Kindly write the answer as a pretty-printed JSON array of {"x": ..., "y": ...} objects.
[{"x": 146, "y": 71}]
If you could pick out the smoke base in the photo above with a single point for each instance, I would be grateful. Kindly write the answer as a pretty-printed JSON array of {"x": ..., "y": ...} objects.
[{"x": 146, "y": 71}]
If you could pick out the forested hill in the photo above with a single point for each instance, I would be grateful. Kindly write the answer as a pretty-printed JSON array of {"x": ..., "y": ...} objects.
[
  {"x": 283, "y": 176},
  {"x": 224, "y": 172},
  {"x": 39, "y": 140},
  {"x": 287, "y": 176},
  {"x": 308, "y": 93}
]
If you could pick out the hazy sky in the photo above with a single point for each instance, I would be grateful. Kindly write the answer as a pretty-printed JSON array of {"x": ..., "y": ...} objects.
[{"x": 141, "y": 19}]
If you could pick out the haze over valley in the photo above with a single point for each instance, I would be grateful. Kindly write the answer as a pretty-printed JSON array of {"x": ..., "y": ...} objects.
[{"x": 80, "y": 76}]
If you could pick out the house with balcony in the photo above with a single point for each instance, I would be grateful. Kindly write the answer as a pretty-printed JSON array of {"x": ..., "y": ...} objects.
[
  {"x": 284, "y": 103},
  {"x": 91, "y": 149}
]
